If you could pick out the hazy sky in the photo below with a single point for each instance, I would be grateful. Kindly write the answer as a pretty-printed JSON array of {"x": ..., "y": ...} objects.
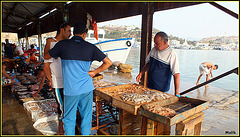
[{"x": 192, "y": 22}]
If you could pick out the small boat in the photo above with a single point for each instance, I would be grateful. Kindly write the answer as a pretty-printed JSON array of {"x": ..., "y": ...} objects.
[{"x": 115, "y": 49}]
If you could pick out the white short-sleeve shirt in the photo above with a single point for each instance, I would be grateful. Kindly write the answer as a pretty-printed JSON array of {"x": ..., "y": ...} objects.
[{"x": 56, "y": 69}]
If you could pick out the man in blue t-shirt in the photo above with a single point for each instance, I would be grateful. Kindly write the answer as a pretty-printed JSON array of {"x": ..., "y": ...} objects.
[
  {"x": 77, "y": 55},
  {"x": 161, "y": 63}
]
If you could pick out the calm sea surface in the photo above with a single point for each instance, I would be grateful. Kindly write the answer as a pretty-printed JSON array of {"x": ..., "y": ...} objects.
[{"x": 191, "y": 59}]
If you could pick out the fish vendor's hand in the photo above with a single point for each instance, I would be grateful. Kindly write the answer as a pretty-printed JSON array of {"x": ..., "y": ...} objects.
[
  {"x": 138, "y": 78},
  {"x": 50, "y": 88},
  {"x": 91, "y": 74},
  {"x": 178, "y": 95},
  {"x": 34, "y": 95},
  {"x": 49, "y": 84}
]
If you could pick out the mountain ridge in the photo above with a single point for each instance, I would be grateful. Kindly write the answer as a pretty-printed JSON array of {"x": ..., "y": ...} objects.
[{"x": 122, "y": 31}]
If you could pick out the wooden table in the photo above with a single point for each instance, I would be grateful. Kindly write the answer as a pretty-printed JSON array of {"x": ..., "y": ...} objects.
[{"x": 137, "y": 120}]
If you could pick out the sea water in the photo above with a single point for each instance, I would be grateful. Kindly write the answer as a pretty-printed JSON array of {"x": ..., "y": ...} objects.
[{"x": 189, "y": 61}]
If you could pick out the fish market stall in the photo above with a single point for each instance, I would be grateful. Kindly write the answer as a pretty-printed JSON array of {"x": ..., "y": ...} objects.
[
  {"x": 42, "y": 108},
  {"x": 144, "y": 111},
  {"x": 118, "y": 109}
]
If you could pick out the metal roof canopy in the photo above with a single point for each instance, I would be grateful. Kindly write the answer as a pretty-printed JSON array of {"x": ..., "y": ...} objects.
[{"x": 16, "y": 15}]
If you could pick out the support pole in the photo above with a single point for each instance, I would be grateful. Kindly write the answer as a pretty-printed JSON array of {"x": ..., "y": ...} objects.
[
  {"x": 19, "y": 43},
  {"x": 146, "y": 36},
  {"x": 27, "y": 44},
  {"x": 39, "y": 38},
  {"x": 66, "y": 14}
]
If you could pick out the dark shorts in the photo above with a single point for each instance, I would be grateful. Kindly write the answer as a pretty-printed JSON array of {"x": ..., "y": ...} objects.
[{"x": 59, "y": 97}]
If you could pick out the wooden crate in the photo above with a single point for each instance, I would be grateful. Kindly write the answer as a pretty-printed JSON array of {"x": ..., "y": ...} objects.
[
  {"x": 191, "y": 125},
  {"x": 102, "y": 131},
  {"x": 151, "y": 127},
  {"x": 104, "y": 95},
  {"x": 185, "y": 107},
  {"x": 129, "y": 124},
  {"x": 133, "y": 108},
  {"x": 127, "y": 105}
]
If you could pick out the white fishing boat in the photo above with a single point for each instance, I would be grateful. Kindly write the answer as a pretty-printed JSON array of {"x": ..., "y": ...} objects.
[{"x": 115, "y": 49}]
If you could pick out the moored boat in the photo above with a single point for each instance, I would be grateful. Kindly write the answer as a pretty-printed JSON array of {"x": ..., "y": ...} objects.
[{"x": 115, "y": 49}]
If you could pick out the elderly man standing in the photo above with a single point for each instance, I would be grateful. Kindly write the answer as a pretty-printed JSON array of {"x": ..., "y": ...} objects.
[{"x": 161, "y": 63}]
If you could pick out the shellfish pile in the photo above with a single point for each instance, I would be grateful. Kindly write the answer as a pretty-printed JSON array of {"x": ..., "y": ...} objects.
[
  {"x": 135, "y": 93},
  {"x": 156, "y": 108},
  {"x": 136, "y": 98},
  {"x": 144, "y": 97},
  {"x": 101, "y": 83},
  {"x": 129, "y": 89}
]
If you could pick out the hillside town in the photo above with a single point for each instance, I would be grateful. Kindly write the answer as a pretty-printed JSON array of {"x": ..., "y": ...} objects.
[
  {"x": 217, "y": 43},
  {"x": 211, "y": 43},
  {"x": 122, "y": 31}
]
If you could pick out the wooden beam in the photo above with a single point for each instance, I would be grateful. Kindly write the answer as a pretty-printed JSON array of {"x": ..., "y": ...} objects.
[
  {"x": 6, "y": 23},
  {"x": 235, "y": 15},
  {"x": 16, "y": 14},
  {"x": 32, "y": 18},
  {"x": 9, "y": 29},
  {"x": 61, "y": 7},
  {"x": 146, "y": 36},
  {"x": 58, "y": 5},
  {"x": 11, "y": 10},
  {"x": 26, "y": 9},
  {"x": 13, "y": 19}
]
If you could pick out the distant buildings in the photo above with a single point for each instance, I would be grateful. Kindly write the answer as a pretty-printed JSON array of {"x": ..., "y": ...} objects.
[
  {"x": 174, "y": 43},
  {"x": 112, "y": 25},
  {"x": 130, "y": 27},
  {"x": 185, "y": 45},
  {"x": 203, "y": 45}
]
